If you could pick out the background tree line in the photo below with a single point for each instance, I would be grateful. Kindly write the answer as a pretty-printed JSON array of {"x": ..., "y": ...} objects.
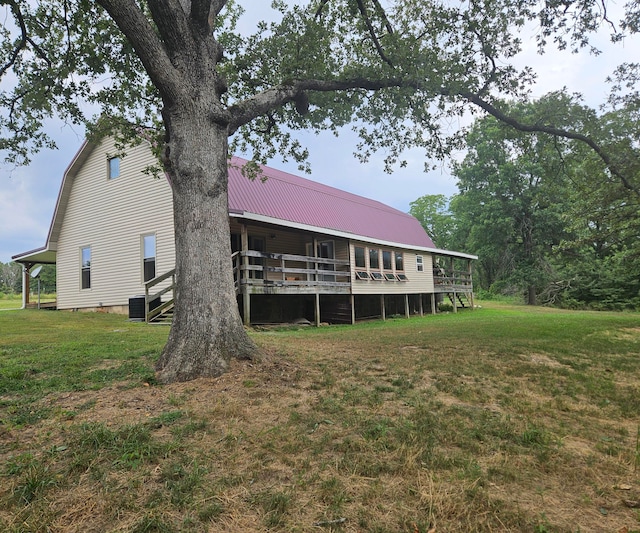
[
  {"x": 11, "y": 279},
  {"x": 547, "y": 219}
]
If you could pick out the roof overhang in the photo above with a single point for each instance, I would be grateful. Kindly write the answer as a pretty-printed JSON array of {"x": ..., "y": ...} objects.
[
  {"x": 44, "y": 256},
  {"x": 345, "y": 235}
]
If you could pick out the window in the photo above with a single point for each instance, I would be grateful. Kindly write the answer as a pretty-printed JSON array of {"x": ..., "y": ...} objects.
[
  {"x": 419, "y": 263},
  {"x": 390, "y": 277},
  {"x": 373, "y": 259},
  {"x": 148, "y": 257},
  {"x": 360, "y": 257},
  {"x": 377, "y": 276},
  {"x": 361, "y": 274},
  {"x": 399, "y": 261},
  {"x": 114, "y": 168},
  {"x": 386, "y": 259},
  {"x": 402, "y": 277},
  {"x": 85, "y": 258}
]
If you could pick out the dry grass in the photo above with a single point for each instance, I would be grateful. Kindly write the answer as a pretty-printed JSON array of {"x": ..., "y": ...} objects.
[{"x": 431, "y": 424}]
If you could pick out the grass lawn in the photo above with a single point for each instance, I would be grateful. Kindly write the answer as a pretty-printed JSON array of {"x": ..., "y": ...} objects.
[
  {"x": 501, "y": 419},
  {"x": 14, "y": 301}
]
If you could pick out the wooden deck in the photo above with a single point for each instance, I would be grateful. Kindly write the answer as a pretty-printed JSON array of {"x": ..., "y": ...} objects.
[{"x": 261, "y": 273}]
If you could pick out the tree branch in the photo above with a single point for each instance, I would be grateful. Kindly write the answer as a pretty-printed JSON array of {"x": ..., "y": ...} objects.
[
  {"x": 244, "y": 112},
  {"x": 23, "y": 41},
  {"x": 149, "y": 48},
  {"x": 372, "y": 33},
  {"x": 557, "y": 132}
]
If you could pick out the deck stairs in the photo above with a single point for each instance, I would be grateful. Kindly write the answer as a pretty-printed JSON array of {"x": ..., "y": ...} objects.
[
  {"x": 461, "y": 298},
  {"x": 162, "y": 314}
]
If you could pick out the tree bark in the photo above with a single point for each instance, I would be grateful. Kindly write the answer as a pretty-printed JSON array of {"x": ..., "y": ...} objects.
[{"x": 207, "y": 331}]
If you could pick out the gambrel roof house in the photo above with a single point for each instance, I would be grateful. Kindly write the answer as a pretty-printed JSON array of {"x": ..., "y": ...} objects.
[{"x": 300, "y": 249}]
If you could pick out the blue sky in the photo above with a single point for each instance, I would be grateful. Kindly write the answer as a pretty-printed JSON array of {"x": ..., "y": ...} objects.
[{"x": 28, "y": 194}]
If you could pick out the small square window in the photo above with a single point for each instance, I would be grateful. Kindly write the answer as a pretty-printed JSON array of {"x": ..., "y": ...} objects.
[
  {"x": 377, "y": 276},
  {"x": 402, "y": 277},
  {"x": 361, "y": 274},
  {"x": 390, "y": 277},
  {"x": 419, "y": 263},
  {"x": 114, "y": 168}
]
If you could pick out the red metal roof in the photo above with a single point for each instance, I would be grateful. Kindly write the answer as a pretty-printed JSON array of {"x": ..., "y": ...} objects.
[{"x": 290, "y": 198}]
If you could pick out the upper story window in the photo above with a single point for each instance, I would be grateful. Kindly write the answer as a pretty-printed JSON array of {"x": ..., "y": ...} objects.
[
  {"x": 419, "y": 263},
  {"x": 85, "y": 262},
  {"x": 114, "y": 167},
  {"x": 374, "y": 261},
  {"x": 386, "y": 260},
  {"x": 360, "y": 257},
  {"x": 399, "y": 261},
  {"x": 148, "y": 257}
]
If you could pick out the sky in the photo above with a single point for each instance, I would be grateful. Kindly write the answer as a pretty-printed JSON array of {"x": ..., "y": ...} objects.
[{"x": 28, "y": 194}]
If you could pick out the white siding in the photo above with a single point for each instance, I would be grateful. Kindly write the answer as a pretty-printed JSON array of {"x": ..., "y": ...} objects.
[
  {"x": 111, "y": 216},
  {"x": 419, "y": 282}
]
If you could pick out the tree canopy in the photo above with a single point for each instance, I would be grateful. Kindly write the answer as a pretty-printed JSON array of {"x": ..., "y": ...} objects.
[
  {"x": 544, "y": 215},
  {"x": 393, "y": 72}
]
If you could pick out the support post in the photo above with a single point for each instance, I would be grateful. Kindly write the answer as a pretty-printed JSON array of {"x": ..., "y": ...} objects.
[
  {"x": 25, "y": 285},
  {"x": 406, "y": 306},
  {"x": 383, "y": 313},
  {"x": 246, "y": 306},
  {"x": 243, "y": 277},
  {"x": 353, "y": 309},
  {"x": 421, "y": 307},
  {"x": 317, "y": 310},
  {"x": 471, "y": 284},
  {"x": 433, "y": 303}
]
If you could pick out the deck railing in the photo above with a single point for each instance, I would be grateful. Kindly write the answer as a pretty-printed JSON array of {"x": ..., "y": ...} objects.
[
  {"x": 149, "y": 313},
  {"x": 289, "y": 270},
  {"x": 445, "y": 280}
]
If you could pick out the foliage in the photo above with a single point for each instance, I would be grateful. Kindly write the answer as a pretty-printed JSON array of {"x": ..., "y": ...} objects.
[
  {"x": 10, "y": 278},
  {"x": 393, "y": 72},
  {"x": 512, "y": 191},
  {"x": 545, "y": 216},
  {"x": 432, "y": 212}
]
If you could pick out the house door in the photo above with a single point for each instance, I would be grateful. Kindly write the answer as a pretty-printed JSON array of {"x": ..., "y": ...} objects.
[{"x": 326, "y": 250}]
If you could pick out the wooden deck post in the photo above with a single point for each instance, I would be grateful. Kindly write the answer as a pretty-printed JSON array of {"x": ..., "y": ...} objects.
[
  {"x": 406, "y": 306},
  {"x": 471, "y": 284},
  {"x": 353, "y": 309},
  {"x": 383, "y": 313},
  {"x": 433, "y": 303},
  {"x": 317, "y": 309},
  {"x": 421, "y": 307},
  {"x": 246, "y": 306}
]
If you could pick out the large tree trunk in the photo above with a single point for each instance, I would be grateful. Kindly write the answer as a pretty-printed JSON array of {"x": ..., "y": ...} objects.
[{"x": 207, "y": 330}]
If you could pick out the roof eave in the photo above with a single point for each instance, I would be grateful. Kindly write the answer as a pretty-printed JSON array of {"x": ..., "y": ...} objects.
[
  {"x": 45, "y": 255},
  {"x": 337, "y": 233}
]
